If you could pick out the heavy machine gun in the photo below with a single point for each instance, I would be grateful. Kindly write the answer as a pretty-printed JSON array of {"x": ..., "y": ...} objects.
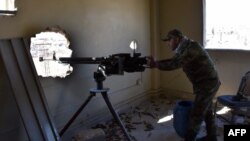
[
  {"x": 115, "y": 64},
  {"x": 48, "y": 48}
]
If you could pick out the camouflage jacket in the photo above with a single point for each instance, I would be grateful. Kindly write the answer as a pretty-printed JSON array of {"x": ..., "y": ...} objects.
[{"x": 197, "y": 65}]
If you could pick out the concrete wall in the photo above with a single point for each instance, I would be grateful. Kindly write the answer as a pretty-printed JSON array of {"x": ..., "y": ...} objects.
[
  {"x": 188, "y": 16},
  {"x": 96, "y": 28}
]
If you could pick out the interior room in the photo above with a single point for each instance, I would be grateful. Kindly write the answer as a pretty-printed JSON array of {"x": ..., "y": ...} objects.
[{"x": 35, "y": 107}]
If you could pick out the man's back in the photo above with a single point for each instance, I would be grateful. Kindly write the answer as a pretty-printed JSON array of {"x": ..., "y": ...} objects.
[{"x": 197, "y": 65}]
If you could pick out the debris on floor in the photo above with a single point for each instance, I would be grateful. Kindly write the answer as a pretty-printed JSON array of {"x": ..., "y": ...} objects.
[
  {"x": 90, "y": 135},
  {"x": 143, "y": 117},
  {"x": 142, "y": 123}
]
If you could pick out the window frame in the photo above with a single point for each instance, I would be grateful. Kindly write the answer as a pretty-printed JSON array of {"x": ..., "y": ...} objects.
[{"x": 4, "y": 12}]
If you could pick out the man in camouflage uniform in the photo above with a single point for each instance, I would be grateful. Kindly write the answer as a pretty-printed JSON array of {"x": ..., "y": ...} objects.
[{"x": 200, "y": 70}]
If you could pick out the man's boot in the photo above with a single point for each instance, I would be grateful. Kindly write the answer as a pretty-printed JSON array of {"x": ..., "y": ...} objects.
[{"x": 210, "y": 127}]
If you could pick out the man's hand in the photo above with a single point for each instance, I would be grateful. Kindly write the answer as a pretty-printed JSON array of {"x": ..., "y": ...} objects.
[{"x": 151, "y": 62}]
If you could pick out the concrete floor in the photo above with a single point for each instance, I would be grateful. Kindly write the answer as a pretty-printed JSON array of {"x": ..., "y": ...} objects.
[{"x": 142, "y": 123}]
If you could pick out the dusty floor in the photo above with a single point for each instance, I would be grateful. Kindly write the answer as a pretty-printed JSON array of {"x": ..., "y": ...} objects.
[{"x": 142, "y": 123}]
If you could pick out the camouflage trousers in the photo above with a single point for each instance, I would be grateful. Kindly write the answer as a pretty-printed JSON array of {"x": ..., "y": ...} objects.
[{"x": 202, "y": 110}]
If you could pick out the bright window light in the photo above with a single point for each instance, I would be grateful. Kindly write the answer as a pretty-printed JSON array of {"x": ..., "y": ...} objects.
[
  {"x": 166, "y": 118},
  {"x": 7, "y": 7},
  {"x": 227, "y": 24}
]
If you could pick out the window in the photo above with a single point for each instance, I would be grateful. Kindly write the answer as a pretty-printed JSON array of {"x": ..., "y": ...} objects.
[
  {"x": 7, "y": 7},
  {"x": 227, "y": 24}
]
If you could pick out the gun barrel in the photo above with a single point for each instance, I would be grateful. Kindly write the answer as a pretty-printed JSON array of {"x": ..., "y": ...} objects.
[{"x": 81, "y": 60}]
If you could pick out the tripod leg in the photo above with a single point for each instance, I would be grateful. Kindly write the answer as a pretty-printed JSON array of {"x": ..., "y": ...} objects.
[
  {"x": 76, "y": 114},
  {"x": 115, "y": 115}
]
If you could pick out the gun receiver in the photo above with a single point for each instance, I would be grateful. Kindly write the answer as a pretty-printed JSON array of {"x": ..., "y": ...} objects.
[{"x": 114, "y": 64}]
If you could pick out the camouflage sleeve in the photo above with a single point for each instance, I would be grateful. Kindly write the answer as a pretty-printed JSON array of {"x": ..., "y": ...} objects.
[
  {"x": 184, "y": 56},
  {"x": 169, "y": 64}
]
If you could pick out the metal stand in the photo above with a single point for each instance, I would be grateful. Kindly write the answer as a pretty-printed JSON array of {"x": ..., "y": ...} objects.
[{"x": 99, "y": 78}]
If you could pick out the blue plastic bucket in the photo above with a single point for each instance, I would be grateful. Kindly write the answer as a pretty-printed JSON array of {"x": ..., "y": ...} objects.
[{"x": 181, "y": 117}]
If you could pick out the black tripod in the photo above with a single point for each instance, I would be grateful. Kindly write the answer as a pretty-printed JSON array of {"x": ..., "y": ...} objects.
[{"x": 99, "y": 78}]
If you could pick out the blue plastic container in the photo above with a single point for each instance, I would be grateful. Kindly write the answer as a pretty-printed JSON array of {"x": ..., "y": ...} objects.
[{"x": 181, "y": 117}]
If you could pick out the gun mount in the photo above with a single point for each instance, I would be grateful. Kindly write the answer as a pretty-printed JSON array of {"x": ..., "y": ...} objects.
[{"x": 115, "y": 64}]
